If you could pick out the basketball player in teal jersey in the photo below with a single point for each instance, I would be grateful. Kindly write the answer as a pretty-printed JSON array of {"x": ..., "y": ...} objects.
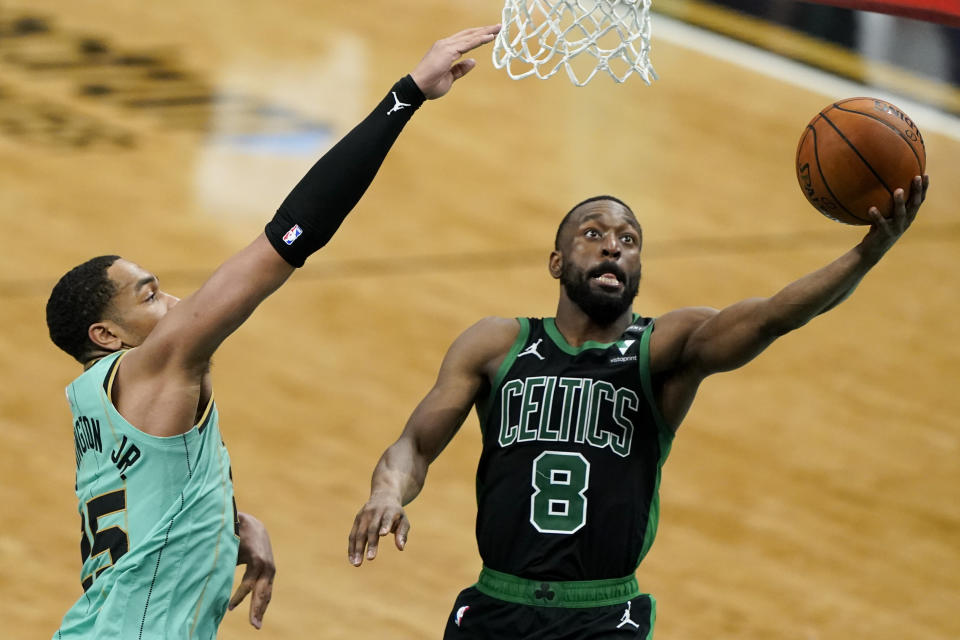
[
  {"x": 578, "y": 413},
  {"x": 160, "y": 533}
]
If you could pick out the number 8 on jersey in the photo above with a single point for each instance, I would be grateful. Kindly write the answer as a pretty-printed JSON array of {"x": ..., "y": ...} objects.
[{"x": 558, "y": 503}]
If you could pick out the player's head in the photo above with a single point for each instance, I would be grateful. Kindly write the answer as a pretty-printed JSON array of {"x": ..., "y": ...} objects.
[
  {"x": 104, "y": 305},
  {"x": 596, "y": 257}
]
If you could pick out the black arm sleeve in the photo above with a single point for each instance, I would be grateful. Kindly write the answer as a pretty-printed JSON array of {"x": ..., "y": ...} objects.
[{"x": 316, "y": 207}]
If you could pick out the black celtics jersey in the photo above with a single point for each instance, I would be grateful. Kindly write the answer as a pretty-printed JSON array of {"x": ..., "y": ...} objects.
[{"x": 573, "y": 443}]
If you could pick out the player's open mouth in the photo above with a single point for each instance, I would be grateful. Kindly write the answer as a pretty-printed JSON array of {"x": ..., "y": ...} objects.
[{"x": 608, "y": 280}]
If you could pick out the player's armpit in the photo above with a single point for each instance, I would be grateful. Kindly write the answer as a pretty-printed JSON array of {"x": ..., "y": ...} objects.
[
  {"x": 687, "y": 345},
  {"x": 159, "y": 384}
]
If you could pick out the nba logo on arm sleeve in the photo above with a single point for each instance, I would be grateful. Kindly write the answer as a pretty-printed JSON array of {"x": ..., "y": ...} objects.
[{"x": 293, "y": 234}]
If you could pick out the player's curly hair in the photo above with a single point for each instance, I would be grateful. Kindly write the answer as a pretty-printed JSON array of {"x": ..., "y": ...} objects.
[
  {"x": 79, "y": 299},
  {"x": 566, "y": 218}
]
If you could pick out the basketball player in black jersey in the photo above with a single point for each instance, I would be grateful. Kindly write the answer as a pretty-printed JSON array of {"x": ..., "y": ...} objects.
[{"x": 578, "y": 413}]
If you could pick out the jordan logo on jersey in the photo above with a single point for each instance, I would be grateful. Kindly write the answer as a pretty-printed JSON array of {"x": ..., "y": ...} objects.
[
  {"x": 625, "y": 619},
  {"x": 532, "y": 350}
]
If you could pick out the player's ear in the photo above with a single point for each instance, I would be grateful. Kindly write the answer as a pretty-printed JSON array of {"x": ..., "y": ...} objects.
[
  {"x": 104, "y": 336},
  {"x": 556, "y": 264}
]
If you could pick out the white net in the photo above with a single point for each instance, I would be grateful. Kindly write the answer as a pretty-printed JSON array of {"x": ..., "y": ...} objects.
[{"x": 539, "y": 37}]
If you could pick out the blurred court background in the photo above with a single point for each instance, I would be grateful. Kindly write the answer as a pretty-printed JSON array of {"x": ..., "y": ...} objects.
[{"x": 811, "y": 495}]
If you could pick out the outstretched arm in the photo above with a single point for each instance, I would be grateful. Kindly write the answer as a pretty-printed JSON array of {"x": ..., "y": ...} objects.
[
  {"x": 402, "y": 469},
  {"x": 178, "y": 350},
  {"x": 314, "y": 210},
  {"x": 690, "y": 344},
  {"x": 316, "y": 207}
]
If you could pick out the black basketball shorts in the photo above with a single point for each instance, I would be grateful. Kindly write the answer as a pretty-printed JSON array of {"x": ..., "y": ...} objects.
[{"x": 477, "y": 616}]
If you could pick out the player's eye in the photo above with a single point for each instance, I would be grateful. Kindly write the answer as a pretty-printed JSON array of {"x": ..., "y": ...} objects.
[
  {"x": 152, "y": 296},
  {"x": 591, "y": 233},
  {"x": 628, "y": 239}
]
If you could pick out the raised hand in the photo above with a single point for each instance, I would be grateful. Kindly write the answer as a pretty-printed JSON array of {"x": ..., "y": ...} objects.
[
  {"x": 376, "y": 519},
  {"x": 886, "y": 231},
  {"x": 439, "y": 69}
]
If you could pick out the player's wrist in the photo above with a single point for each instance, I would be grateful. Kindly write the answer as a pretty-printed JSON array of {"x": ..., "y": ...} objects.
[
  {"x": 386, "y": 494},
  {"x": 870, "y": 250},
  {"x": 410, "y": 91}
]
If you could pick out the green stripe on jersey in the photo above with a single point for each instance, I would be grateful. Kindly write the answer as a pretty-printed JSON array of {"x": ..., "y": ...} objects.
[{"x": 483, "y": 408}]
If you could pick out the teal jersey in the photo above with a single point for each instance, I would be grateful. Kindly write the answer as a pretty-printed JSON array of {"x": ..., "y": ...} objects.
[{"x": 159, "y": 523}]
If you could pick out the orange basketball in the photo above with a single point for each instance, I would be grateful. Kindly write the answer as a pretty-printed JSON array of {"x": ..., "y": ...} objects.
[{"x": 854, "y": 154}]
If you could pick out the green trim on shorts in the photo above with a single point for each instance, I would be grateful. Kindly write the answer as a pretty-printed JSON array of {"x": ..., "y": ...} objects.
[{"x": 575, "y": 594}]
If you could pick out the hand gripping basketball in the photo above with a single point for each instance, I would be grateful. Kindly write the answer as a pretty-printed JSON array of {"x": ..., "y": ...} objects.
[
  {"x": 439, "y": 69},
  {"x": 886, "y": 230},
  {"x": 855, "y": 154}
]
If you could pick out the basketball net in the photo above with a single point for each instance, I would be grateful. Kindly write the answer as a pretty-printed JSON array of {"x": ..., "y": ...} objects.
[{"x": 539, "y": 37}]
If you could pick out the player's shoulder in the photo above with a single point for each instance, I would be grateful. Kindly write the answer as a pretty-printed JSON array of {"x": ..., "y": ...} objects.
[
  {"x": 672, "y": 332},
  {"x": 486, "y": 338},
  {"x": 685, "y": 318},
  {"x": 494, "y": 329}
]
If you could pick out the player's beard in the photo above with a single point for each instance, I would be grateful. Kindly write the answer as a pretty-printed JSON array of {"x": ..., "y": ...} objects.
[{"x": 603, "y": 307}]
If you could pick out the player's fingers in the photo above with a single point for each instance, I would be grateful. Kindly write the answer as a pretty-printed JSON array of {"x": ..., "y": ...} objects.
[
  {"x": 262, "y": 594},
  {"x": 389, "y": 520},
  {"x": 899, "y": 200},
  {"x": 373, "y": 538},
  {"x": 899, "y": 208},
  {"x": 881, "y": 221},
  {"x": 352, "y": 538},
  {"x": 475, "y": 33},
  {"x": 357, "y": 540},
  {"x": 916, "y": 187},
  {"x": 462, "y": 68},
  {"x": 480, "y": 39},
  {"x": 926, "y": 184},
  {"x": 916, "y": 192},
  {"x": 403, "y": 528},
  {"x": 916, "y": 199},
  {"x": 491, "y": 29},
  {"x": 246, "y": 584},
  {"x": 377, "y": 529},
  {"x": 473, "y": 38},
  {"x": 460, "y": 43}
]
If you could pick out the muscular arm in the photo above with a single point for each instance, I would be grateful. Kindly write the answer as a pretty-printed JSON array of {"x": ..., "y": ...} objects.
[
  {"x": 160, "y": 384},
  {"x": 399, "y": 475},
  {"x": 188, "y": 335},
  {"x": 690, "y": 344}
]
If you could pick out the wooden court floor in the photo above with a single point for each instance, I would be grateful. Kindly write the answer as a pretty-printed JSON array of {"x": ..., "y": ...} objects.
[{"x": 814, "y": 494}]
